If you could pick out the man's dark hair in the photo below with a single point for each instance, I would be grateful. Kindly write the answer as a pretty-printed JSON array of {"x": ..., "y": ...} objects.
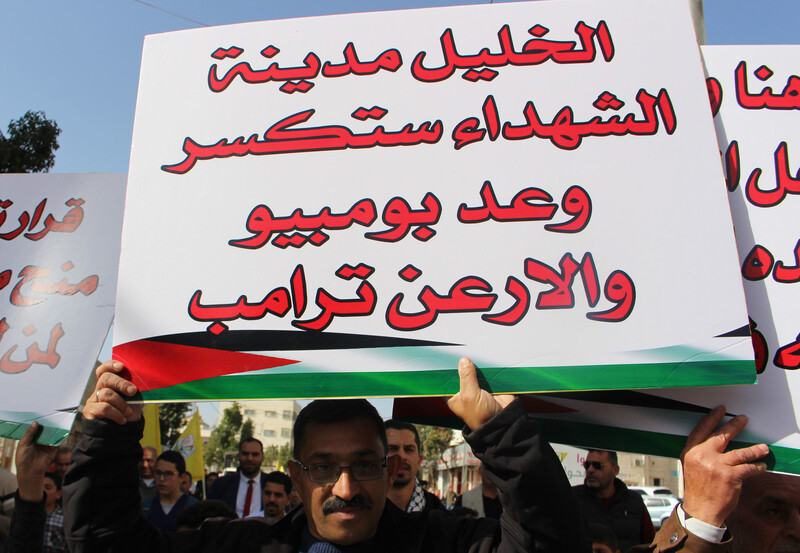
[
  {"x": 333, "y": 411},
  {"x": 394, "y": 424},
  {"x": 194, "y": 515},
  {"x": 55, "y": 478},
  {"x": 604, "y": 535},
  {"x": 612, "y": 455},
  {"x": 172, "y": 456},
  {"x": 280, "y": 478},
  {"x": 252, "y": 440},
  {"x": 62, "y": 449}
]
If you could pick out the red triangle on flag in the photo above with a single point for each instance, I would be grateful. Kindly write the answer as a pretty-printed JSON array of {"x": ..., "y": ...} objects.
[{"x": 155, "y": 365}]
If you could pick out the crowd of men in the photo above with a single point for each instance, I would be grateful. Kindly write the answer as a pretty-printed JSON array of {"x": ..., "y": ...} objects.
[{"x": 353, "y": 486}]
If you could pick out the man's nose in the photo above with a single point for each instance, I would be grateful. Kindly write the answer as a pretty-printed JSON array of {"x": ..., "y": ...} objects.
[
  {"x": 792, "y": 527},
  {"x": 345, "y": 487}
]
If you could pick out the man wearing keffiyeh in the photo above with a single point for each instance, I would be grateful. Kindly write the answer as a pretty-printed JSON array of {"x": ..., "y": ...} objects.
[{"x": 406, "y": 491}]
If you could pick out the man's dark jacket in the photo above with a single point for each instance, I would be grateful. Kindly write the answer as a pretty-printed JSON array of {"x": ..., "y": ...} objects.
[
  {"x": 432, "y": 502},
  {"x": 540, "y": 514},
  {"x": 624, "y": 515},
  {"x": 226, "y": 487}
]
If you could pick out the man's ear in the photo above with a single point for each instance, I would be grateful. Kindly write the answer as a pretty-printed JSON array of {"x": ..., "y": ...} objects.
[
  {"x": 616, "y": 470},
  {"x": 393, "y": 467},
  {"x": 294, "y": 474}
]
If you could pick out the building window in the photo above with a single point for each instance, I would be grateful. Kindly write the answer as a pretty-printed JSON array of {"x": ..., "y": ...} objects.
[
  {"x": 269, "y": 433},
  {"x": 270, "y": 414},
  {"x": 287, "y": 415},
  {"x": 286, "y": 432},
  {"x": 249, "y": 411},
  {"x": 656, "y": 481}
]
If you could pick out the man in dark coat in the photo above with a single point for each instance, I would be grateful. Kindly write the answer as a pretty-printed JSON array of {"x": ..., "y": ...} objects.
[
  {"x": 606, "y": 500},
  {"x": 342, "y": 474}
]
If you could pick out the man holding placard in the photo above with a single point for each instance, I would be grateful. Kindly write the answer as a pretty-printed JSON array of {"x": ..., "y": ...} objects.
[{"x": 342, "y": 473}]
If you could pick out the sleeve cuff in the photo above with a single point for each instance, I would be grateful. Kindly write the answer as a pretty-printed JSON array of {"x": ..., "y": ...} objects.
[{"x": 701, "y": 529}]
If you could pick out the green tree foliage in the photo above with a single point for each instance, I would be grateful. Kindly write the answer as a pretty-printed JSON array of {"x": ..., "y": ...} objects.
[
  {"x": 171, "y": 418},
  {"x": 247, "y": 429},
  {"x": 434, "y": 441},
  {"x": 225, "y": 437},
  {"x": 31, "y": 144},
  {"x": 277, "y": 456}
]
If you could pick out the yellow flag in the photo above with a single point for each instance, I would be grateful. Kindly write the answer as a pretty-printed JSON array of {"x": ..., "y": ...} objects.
[
  {"x": 152, "y": 428},
  {"x": 190, "y": 445}
]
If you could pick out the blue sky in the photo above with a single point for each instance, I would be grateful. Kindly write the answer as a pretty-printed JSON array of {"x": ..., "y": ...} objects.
[{"x": 79, "y": 61}]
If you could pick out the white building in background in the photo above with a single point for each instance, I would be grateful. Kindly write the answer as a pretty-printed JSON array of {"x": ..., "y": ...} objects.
[{"x": 273, "y": 419}]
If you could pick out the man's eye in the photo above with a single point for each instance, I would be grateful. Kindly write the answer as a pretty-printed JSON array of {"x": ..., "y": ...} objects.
[
  {"x": 364, "y": 465},
  {"x": 324, "y": 467}
]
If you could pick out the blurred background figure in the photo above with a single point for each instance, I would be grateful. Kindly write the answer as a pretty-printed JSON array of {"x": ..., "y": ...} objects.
[
  {"x": 147, "y": 482},
  {"x": 482, "y": 499},
  {"x": 8, "y": 487},
  {"x": 54, "y": 539},
  {"x": 186, "y": 482},
  {"x": 63, "y": 460}
]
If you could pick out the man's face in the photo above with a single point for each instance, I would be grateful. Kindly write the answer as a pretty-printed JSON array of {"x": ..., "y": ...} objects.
[
  {"x": 52, "y": 493},
  {"x": 185, "y": 483},
  {"x": 767, "y": 519},
  {"x": 274, "y": 499},
  {"x": 347, "y": 511},
  {"x": 250, "y": 457},
  {"x": 147, "y": 463},
  {"x": 601, "y": 479},
  {"x": 403, "y": 444},
  {"x": 62, "y": 462},
  {"x": 167, "y": 480}
]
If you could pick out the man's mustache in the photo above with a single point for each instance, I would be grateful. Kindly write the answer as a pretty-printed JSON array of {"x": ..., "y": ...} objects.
[{"x": 338, "y": 504}]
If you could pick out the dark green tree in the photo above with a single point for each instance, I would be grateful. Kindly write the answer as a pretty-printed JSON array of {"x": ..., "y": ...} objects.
[
  {"x": 225, "y": 437},
  {"x": 247, "y": 429},
  {"x": 435, "y": 441},
  {"x": 171, "y": 418},
  {"x": 277, "y": 456},
  {"x": 31, "y": 144}
]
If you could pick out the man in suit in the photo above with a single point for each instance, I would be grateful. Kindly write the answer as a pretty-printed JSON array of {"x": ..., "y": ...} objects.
[{"x": 242, "y": 490}]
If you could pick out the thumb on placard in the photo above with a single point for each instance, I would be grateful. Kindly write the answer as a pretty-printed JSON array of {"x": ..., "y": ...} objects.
[{"x": 467, "y": 376}]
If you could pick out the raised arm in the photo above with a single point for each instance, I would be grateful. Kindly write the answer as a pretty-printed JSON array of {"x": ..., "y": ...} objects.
[
  {"x": 101, "y": 489},
  {"x": 539, "y": 511},
  {"x": 713, "y": 483},
  {"x": 27, "y": 524},
  {"x": 713, "y": 476}
]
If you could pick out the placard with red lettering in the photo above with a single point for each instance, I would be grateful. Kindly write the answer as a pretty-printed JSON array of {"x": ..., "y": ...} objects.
[
  {"x": 345, "y": 205},
  {"x": 59, "y": 238},
  {"x": 755, "y": 96}
]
